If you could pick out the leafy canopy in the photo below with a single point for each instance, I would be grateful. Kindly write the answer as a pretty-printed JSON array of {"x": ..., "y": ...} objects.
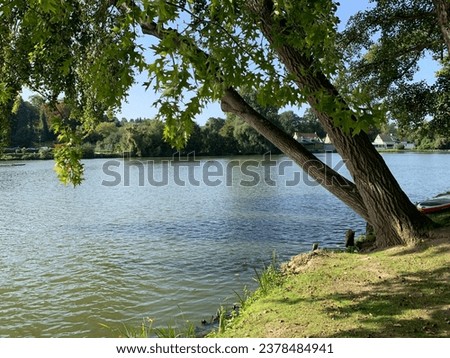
[
  {"x": 383, "y": 47},
  {"x": 88, "y": 51}
]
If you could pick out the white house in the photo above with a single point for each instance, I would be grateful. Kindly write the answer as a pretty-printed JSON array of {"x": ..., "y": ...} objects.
[
  {"x": 385, "y": 141},
  {"x": 307, "y": 137},
  {"x": 310, "y": 141},
  {"x": 328, "y": 145}
]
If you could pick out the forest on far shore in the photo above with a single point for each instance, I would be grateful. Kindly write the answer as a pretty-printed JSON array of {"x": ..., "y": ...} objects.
[{"x": 31, "y": 133}]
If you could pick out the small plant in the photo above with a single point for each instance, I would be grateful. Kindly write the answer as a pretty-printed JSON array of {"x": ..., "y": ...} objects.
[
  {"x": 146, "y": 330},
  {"x": 143, "y": 331},
  {"x": 242, "y": 298},
  {"x": 270, "y": 277},
  {"x": 166, "y": 332},
  {"x": 222, "y": 315}
]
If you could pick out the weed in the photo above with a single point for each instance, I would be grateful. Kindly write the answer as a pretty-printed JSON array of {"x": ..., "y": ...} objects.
[
  {"x": 222, "y": 315},
  {"x": 146, "y": 330},
  {"x": 269, "y": 278},
  {"x": 242, "y": 298}
]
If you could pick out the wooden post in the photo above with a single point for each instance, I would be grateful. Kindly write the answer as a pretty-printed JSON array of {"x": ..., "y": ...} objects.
[{"x": 350, "y": 238}]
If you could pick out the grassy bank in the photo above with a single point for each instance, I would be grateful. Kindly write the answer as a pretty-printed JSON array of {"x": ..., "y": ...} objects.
[{"x": 400, "y": 292}]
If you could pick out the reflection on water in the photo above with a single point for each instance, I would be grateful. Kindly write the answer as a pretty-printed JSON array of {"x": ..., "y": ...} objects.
[{"x": 73, "y": 259}]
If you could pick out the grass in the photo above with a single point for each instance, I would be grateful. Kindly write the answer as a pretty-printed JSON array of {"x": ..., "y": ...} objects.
[
  {"x": 269, "y": 278},
  {"x": 442, "y": 218},
  {"x": 400, "y": 292},
  {"x": 147, "y": 330}
]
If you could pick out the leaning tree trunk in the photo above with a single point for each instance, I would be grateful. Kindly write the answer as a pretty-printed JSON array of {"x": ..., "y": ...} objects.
[
  {"x": 395, "y": 219},
  {"x": 232, "y": 102},
  {"x": 376, "y": 195},
  {"x": 442, "y": 9}
]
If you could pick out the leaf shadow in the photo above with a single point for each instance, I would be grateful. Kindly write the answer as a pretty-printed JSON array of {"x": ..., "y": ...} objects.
[{"x": 425, "y": 294}]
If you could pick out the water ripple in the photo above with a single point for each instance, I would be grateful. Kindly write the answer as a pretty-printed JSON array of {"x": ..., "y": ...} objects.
[{"x": 74, "y": 259}]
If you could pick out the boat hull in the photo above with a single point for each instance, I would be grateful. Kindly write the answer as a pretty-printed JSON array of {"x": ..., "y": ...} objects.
[{"x": 434, "y": 205}]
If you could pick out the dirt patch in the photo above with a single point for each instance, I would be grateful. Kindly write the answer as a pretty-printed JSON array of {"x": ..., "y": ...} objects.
[{"x": 303, "y": 262}]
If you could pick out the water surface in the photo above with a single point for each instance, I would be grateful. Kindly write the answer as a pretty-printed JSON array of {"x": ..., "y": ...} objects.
[{"x": 73, "y": 260}]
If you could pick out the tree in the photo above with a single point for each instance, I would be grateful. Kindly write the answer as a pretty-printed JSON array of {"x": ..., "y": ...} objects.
[
  {"x": 395, "y": 220},
  {"x": 383, "y": 47},
  {"x": 140, "y": 137},
  {"x": 107, "y": 137},
  {"x": 194, "y": 144},
  {"x": 44, "y": 132},
  {"x": 442, "y": 9},
  {"x": 290, "y": 122},
  {"x": 213, "y": 142},
  {"x": 284, "y": 51},
  {"x": 441, "y": 102},
  {"x": 24, "y": 123},
  {"x": 248, "y": 140}
]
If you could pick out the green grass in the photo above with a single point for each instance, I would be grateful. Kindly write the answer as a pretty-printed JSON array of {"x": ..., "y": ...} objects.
[
  {"x": 401, "y": 292},
  {"x": 269, "y": 278},
  {"x": 147, "y": 330},
  {"x": 442, "y": 218}
]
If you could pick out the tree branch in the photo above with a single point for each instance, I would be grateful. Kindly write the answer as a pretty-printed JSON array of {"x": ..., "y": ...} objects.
[{"x": 233, "y": 102}]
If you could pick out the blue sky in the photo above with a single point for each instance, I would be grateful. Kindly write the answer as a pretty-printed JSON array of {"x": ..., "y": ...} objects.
[{"x": 139, "y": 102}]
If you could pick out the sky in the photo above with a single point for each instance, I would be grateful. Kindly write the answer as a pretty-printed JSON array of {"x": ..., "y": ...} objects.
[{"x": 139, "y": 101}]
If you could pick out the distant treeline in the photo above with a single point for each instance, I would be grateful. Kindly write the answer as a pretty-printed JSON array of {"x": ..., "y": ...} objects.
[
  {"x": 32, "y": 122},
  {"x": 31, "y": 127},
  {"x": 144, "y": 137}
]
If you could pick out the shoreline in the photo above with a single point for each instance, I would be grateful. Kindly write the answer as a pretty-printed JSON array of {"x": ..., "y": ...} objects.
[
  {"x": 48, "y": 155},
  {"x": 396, "y": 292}
]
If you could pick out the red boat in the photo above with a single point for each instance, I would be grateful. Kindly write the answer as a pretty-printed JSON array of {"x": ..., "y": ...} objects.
[{"x": 434, "y": 205}]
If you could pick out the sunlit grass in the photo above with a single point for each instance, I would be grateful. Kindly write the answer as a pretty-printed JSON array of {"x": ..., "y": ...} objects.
[
  {"x": 147, "y": 330},
  {"x": 400, "y": 292}
]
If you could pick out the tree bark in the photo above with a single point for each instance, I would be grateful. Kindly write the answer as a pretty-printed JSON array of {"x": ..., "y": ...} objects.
[
  {"x": 395, "y": 219},
  {"x": 442, "y": 9}
]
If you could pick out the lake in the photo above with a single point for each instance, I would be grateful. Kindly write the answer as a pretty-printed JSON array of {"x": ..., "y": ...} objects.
[{"x": 163, "y": 239}]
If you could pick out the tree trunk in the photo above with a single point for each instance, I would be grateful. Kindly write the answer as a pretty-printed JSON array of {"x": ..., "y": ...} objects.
[
  {"x": 395, "y": 219},
  {"x": 442, "y": 8},
  {"x": 376, "y": 195}
]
